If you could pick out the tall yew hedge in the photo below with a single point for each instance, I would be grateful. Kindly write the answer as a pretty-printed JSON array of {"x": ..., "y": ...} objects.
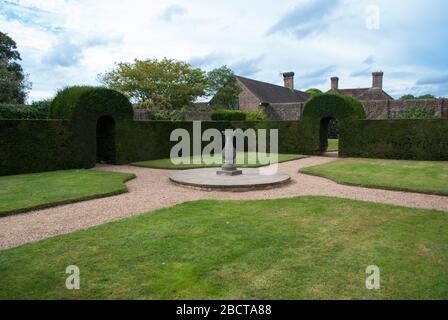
[
  {"x": 317, "y": 114},
  {"x": 396, "y": 139},
  {"x": 69, "y": 140},
  {"x": 82, "y": 104},
  {"x": 335, "y": 106}
]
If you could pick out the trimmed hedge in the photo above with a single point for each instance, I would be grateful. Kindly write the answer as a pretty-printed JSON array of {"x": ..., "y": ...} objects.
[
  {"x": 46, "y": 145},
  {"x": 84, "y": 106},
  {"x": 65, "y": 102},
  {"x": 228, "y": 115},
  {"x": 395, "y": 139},
  {"x": 29, "y": 146},
  {"x": 150, "y": 140},
  {"x": 89, "y": 103},
  {"x": 319, "y": 111},
  {"x": 333, "y": 106},
  {"x": 35, "y": 146},
  {"x": 290, "y": 134},
  {"x": 238, "y": 115}
]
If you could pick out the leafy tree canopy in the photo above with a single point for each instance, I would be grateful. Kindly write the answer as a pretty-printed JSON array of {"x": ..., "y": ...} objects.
[
  {"x": 427, "y": 96},
  {"x": 412, "y": 97},
  {"x": 314, "y": 92},
  {"x": 157, "y": 102},
  {"x": 224, "y": 88},
  {"x": 407, "y": 97},
  {"x": 149, "y": 80},
  {"x": 14, "y": 84}
]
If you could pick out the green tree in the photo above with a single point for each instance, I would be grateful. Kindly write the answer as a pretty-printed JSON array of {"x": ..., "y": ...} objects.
[
  {"x": 314, "y": 92},
  {"x": 427, "y": 96},
  {"x": 175, "y": 82},
  {"x": 157, "y": 102},
  {"x": 412, "y": 97},
  {"x": 407, "y": 97},
  {"x": 224, "y": 88},
  {"x": 14, "y": 83}
]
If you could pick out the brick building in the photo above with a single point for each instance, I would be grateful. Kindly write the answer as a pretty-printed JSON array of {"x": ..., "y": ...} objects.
[
  {"x": 279, "y": 102},
  {"x": 286, "y": 103},
  {"x": 378, "y": 104},
  {"x": 376, "y": 92}
]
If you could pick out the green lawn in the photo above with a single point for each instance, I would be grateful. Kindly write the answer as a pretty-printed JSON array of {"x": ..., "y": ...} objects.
[
  {"x": 297, "y": 248},
  {"x": 333, "y": 145},
  {"x": 242, "y": 161},
  {"x": 28, "y": 191},
  {"x": 418, "y": 176}
]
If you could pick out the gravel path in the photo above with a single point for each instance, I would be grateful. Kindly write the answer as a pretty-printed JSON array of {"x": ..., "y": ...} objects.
[{"x": 152, "y": 190}]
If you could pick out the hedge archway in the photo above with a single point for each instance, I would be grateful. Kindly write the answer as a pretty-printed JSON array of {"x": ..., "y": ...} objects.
[
  {"x": 105, "y": 140},
  {"x": 87, "y": 108},
  {"x": 82, "y": 103},
  {"x": 320, "y": 109}
]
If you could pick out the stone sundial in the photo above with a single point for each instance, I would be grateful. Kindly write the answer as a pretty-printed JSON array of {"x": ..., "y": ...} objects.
[{"x": 229, "y": 156}]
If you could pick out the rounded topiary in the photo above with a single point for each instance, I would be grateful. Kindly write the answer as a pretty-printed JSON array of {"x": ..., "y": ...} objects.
[
  {"x": 317, "y": 115},
  {"x": 333, "y": 106},
  {"x": 89, "y": 103}
]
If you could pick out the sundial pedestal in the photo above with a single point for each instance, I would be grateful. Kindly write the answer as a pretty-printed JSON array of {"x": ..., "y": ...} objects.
[
  {"x": 232, "y": 173},
  {"x": 229, "y": 155},
  {"x": 229, "y": 178}
]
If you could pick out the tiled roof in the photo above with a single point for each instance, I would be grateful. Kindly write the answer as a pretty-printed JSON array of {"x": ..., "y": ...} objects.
[
  {"x": 272, "y": 93},
  {"x": 364, "y": 93}
]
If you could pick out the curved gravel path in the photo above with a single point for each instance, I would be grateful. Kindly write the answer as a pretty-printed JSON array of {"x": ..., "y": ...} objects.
[{"x": 152, "y": 190}]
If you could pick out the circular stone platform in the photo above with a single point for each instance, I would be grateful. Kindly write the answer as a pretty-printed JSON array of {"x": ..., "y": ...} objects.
[{"x": 209, "y": 180}]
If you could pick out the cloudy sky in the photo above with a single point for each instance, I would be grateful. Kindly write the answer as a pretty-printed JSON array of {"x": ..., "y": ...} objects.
[{"x": 66, "y": 42}]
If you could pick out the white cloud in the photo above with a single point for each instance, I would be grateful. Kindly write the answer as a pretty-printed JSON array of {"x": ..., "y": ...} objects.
[
  {"x": 173, "y": 11},
  {"x": 80, "y": 39}
]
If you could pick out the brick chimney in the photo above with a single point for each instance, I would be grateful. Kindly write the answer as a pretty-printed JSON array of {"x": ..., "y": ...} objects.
[
  {"x": 288, "y": 79},
  {"x": 334, "y": 83},
  {"x": 377, "y": 80}
]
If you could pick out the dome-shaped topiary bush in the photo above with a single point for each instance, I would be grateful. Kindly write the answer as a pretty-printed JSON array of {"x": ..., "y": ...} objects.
[
  {"x": 84, "y": 103},
  {"x": 333, "y": 106},
  {"x": 318, "y": 113},
  {"x": 96, "y": 116}
]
